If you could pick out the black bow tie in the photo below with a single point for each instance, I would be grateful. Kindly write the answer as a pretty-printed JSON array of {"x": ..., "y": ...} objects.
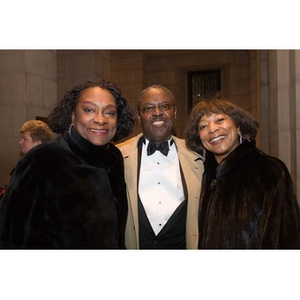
[{"x": 163, "y": 148}]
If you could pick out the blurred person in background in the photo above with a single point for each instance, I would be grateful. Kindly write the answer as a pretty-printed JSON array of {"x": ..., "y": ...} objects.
[{"x": 34, "y": 132}]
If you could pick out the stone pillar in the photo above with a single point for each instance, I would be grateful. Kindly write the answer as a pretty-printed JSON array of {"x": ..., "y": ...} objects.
[
  {"x": 28, "y": 89},
  {"x": 297, "y": 117},
  {"x": 255, "y": 108},
  {"x": 284, "y": 109},
  {"x": 264, "y": 99}
]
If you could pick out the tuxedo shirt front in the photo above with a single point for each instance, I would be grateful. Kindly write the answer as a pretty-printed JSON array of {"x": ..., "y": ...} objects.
[{"x": 160, "y": 185}]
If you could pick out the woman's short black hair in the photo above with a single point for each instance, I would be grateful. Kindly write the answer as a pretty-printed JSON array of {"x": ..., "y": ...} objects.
[
  {"x": 242, "y": 119},
  {"x": 60, "y": 118}
]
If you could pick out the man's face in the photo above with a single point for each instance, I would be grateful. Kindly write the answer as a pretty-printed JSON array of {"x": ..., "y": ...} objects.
[{"x": 157, "y": 114}]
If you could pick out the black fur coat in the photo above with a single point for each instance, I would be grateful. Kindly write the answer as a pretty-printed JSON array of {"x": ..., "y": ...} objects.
[
  {"x": 248, "y": 202},
  {"x": 67, "y": 193}
]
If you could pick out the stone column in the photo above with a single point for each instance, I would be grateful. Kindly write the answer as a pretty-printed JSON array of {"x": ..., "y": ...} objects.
[
  {"x": 297, "y": 117},
  {"x": 28, "y": 89},
  {"x": 283, "y": 109},
  {"x": 264, "y": 99}
]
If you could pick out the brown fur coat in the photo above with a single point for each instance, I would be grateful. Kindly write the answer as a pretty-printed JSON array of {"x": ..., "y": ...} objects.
[{"x": 248, "y": 202}]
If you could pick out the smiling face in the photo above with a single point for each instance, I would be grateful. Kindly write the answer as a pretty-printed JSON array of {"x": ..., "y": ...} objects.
[
  {"x": 218, "y": 134},
  {"x": 95, "y": 116},
  {"x": 157, "y": 115}
]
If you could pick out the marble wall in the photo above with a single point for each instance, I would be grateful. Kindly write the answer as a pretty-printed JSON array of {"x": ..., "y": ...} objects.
[
  {"x": 28, "y": 88},
  {"x": 266, "y": 83}
]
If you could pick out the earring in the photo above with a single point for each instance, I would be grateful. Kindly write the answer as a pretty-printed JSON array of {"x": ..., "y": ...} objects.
[
  {"x": 240, "y": 137},
  {"x": 70, "y": 128}
]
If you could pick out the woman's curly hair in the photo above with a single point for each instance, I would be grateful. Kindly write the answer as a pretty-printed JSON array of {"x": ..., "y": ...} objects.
[
  {"x": 60, "y": 118},
  {"x": 242, "y": 119}
]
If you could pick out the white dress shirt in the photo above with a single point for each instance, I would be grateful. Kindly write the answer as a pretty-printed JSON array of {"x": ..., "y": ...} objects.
[{"x": 160, "y": 185}]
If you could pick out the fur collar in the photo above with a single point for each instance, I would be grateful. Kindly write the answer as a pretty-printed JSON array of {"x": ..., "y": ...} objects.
[
  {"x": 99, "y": 156},
  {"x": 235, "y": 159}
]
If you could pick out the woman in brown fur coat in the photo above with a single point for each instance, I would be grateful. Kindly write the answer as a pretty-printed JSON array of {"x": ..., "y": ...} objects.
[{"x": 247, "y": 199}]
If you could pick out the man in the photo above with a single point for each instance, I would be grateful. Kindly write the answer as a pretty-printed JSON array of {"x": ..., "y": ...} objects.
[{"x": 163, "y": 188}]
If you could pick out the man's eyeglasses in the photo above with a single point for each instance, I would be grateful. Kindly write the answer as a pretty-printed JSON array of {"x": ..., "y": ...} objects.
[{"x": 152, "y": 108}]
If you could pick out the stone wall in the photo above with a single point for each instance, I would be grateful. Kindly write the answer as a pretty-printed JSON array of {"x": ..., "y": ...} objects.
[
  {"x": 266, "y": 83},
  {"x": 136, "y": 69},
  {"x": 77, "y": 66},
  {"x": 28, "y": 88}
]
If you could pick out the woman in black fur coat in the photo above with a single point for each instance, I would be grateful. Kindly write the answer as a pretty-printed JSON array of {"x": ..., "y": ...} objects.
[
  {"x": 70, "y": 193},
  {"x": 247, "y": 199}
]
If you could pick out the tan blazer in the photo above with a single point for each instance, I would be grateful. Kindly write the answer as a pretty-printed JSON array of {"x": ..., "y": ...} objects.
[{"x": 192, "y": 167}]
